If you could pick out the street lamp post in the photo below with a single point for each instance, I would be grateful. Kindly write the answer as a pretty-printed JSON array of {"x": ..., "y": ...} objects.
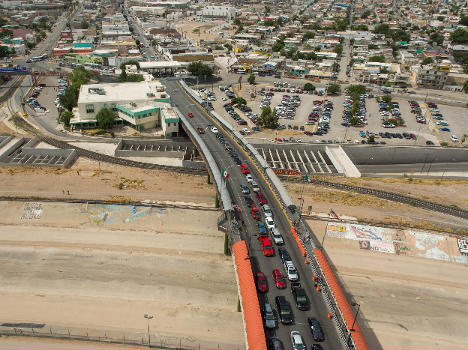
[
  {"x": 354, "y": 320},
  {"x": 148, "y": 317}
]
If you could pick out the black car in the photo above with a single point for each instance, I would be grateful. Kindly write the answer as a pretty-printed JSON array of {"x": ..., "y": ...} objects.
[
  {"x": 284, "y": 255},
  {"x": 284, "y": 310},
  {"x": 316, "y": 329},
  {"x": 276, "y": 344},
  {"x": 316, "y": 347},
  {"x": 300, "y": 296},
  {"x": 429, "y": 143}
]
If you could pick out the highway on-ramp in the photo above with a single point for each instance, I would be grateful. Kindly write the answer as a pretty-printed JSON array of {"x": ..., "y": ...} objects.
[{"x": 318, "y": 308}]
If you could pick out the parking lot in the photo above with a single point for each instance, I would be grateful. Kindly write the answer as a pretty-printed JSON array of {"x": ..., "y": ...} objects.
[{"x": 456, "y": 117}]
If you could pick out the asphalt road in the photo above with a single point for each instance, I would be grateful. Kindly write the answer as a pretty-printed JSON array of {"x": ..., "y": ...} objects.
[{"x": 259, "y": 261}]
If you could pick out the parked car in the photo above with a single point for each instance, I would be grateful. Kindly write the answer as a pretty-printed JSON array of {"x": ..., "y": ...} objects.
[
  {"x": 269, "y": 223},
  {"x": 300, "y": 296},
  {"x": 200, "y": 130},
  {"x": 249, "y": 178},
  {"x": 276, "y": 344},
  {"x": 244, "y": 169},
  {"x": 190, "y": 115}
]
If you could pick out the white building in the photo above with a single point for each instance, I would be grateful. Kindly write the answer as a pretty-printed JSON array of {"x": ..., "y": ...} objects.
[
  {"x": 219, "y": 11},
  {"x": 143, "y": 105}
]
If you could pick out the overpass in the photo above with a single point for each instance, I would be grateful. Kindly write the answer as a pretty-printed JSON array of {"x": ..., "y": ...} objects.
[{"x": 311, "y": 262}]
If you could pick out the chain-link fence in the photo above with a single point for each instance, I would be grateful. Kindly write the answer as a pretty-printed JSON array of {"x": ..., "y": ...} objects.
[{"x": 156, "y": 341}]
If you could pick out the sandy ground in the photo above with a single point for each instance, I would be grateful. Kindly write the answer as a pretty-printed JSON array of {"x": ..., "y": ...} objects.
[
  {"x": 406, "y": 302},
  {"x": 319, "y": 200},
  {"x": 104, "y": 267},
  {"x": 89, "y": 179}
]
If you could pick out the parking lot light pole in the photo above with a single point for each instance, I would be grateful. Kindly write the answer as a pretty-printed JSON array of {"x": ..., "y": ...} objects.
[{"x": 148, "y": 317}]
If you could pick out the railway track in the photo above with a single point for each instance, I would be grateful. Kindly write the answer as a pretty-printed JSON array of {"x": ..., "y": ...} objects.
[{"x": 391, "y": 196}]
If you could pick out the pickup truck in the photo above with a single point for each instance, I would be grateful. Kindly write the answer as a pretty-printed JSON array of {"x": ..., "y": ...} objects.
[{"x": 300, "y": 296}]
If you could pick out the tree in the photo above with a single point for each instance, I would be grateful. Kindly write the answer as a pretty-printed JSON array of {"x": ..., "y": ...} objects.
[
  {"x": 238, "y": 101},
  {"x": 130, "y": 63},
  {"x": 69, "y": 99},
  {"x": 251, "y": 79},
  {"x": 309, "y": 87},
  {"x": 378, "y": 58},
  {"x": 459, "y": 36},
  {"x": 278, "y": 46},
  {"x": 105, "y": 118},
  {"x": 355, "y": 121},
  {"x": 65, "y": 118},
  {"x": 382, "y": 29},
  {"x": 465, "y": 86},
  {"x": 30, "y": 45},
  {"x": 84, "y": 24},
  {"x": 437, "y": 37},
  {"x": 268, "y": 118},
  {"x": 307, "y": 36},
  {"x": 365, "y": 14},
  {"x": 464, "y": 20},
  {"x": 3, "y": 51},
  {"x": 137, "y": 42},
  {"x": 427, "y": 60},
  {"x": 123, "y": 76},
  {"x": 338, "y": 49},
  {"x": 228, "y": 46},
  {"x": 371, "y": 139},
  {"x": 200, "y": 70},
  {"x": 401, "y": 35},
  {"x": 461, "y": 57},
  {"x": 333, "y": 89},
  {"x": 355, "y": 91},
  {"x": 237, "y": 22}
]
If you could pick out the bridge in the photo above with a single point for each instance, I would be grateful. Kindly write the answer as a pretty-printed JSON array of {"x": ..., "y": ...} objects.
[{"x": 328, "y": 302}]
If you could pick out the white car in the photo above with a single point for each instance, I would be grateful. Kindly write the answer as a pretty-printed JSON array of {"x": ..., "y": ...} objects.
[
  {"x": 255, "y": 187},
  {"x": 249, "y": 178},
  {"x": 267, "y": 210},
  {"x": 277, "y": 236},
  {"x": 454, "y": 138},
  {"x": 297, "y": 341},
  {"x": 291, "y": 271},
  {"x": 214, "y": 129},
  {"x": 269, "y": 222}
]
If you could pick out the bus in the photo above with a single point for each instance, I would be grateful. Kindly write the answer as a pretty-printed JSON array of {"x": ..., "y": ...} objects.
[{"x": 38, "y": 58}]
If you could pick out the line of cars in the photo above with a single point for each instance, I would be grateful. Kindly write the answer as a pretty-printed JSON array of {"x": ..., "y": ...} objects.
[
  {"x": 416, "y": 110},
  {"x": 360, "y": 113},
  {"x": 32, "y": 100},
  {"x": 234, "y": 115},
  {"x": 436, "y": 115},
  {"x": 267, "y": 229},
  {"x": 287, "y": 108},
  {"x": 63, "y": 85},
  {"x": 268, "y": 232}
]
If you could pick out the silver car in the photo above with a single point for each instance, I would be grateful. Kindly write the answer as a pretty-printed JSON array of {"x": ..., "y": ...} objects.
[
  {"x": 297, "y": 341},
  {"x": 270, "y": 318}
]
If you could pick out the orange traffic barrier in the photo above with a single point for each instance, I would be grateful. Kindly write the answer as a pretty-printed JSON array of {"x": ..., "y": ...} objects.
[
  {"x": 330, "y": 315},
  {"x": 306, "y": 261},
  {"x": 252, "y": 316},
  {"x": 341, "y": 300},
  {"x": 301, "y": 248},
  {"x": 318, "y": 288},
  {"x": 314, "y": 278}
]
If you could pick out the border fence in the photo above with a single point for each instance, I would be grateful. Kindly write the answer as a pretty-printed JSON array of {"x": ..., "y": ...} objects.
[{"x": 151, "y": 340}]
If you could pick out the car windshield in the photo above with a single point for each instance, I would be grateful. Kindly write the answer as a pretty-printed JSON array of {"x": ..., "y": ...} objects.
[
  {"x": 301, "y": 298},
  {"x": 284, "y": 311}
]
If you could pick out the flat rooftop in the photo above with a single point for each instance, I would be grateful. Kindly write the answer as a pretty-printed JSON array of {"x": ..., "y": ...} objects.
[
  {"x": 161, "y": 64},
  {"x": 121, "y": 92}
]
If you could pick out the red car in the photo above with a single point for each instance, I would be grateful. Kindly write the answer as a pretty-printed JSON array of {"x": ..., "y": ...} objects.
[
  {"x": 242, "y": 122},
  {"x": 190, "y": 115},
  {"x": 261, "y": 198},
  {"x": 200, "y": 130},
  {"x": 262, "y": 282},
  {"x": 266, "y": 246},
  {"x": 254, "y": 212},
  {"x": 244, "y": 169},
  {"x": 279, "y": 279}
]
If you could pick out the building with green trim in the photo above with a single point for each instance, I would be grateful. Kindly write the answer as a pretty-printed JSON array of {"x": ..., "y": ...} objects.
[{"x": 141, "y": 105}]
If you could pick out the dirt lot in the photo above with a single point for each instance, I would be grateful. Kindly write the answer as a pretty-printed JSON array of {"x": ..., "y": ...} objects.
[
  {"x": 89, "y": 179},
  {"x": 367, "y": 208},
  {"x": 406, "y": 302},
  {"x": 105, "y": 266}
]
